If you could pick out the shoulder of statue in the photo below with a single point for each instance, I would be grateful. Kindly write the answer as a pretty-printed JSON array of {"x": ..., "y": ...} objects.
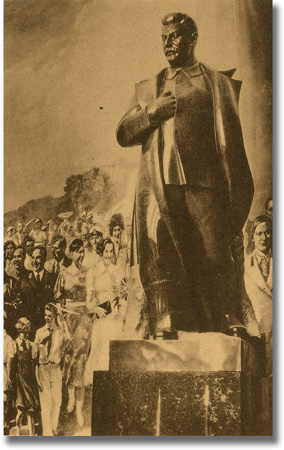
[
  {"x": 151, "y": 83},
  {"x": 147, "y": 90},
  {"x": 223, "y": 78},
  {"x": 227, "y": 73},
  {"x": 153, "y": 79}
]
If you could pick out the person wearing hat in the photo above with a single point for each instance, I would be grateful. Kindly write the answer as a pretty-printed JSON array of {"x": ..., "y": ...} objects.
[
  {"x": 194, "y": 190},
  {"x": 63, "y": 228},
  {"x": 37, "y": 234},
  {"x": 78, "y": 232},
  {"x": 20, "y": 233},
  {"x": 50, "y": 231},
  {"x": 116, "y": 228},
  {"x": 89, "y": 220},
  {"x": 10, "y": 235},
  {"x": 85, "y": 228},
  {"x": 23, "y": 353}
]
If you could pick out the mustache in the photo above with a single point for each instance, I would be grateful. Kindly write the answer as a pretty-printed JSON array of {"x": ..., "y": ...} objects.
[{"x": 171, "y": 49}]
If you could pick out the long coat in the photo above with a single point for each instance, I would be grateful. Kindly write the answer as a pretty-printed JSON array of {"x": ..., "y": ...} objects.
[
  {"x": 260, "y": 294},
  {"x": 234, "y": 178}
]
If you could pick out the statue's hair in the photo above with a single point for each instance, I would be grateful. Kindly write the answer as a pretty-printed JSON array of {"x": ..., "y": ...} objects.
[{"x": 184, "y": 20}]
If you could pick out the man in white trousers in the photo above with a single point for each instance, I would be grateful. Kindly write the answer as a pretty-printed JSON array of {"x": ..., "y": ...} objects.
[{"x": 49, "y": 340}]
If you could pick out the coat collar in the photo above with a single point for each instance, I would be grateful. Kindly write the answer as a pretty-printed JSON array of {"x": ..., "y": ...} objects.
[{"x": 193, "y": 71}]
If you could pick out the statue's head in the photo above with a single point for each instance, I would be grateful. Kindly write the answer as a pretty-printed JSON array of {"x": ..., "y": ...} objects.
[{"x": 179, "y": 35}]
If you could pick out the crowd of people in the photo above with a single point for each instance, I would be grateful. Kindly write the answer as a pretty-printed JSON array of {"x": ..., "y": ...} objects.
[{"x": 65, "y": 297}]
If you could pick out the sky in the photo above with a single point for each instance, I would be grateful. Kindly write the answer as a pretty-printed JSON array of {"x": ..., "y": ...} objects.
[{"x": 70, "y": 69}]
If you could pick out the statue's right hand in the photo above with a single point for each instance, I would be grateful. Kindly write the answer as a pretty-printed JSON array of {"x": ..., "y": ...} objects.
[{"x": 163, "y": 108}]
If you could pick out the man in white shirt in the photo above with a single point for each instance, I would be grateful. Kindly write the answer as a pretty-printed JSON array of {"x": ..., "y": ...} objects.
[
  {"x": 59, "y": 260},
  {"x": 29, "y": 245},
  {"x": 37, "y": 234},
  {"x": 49, "y": 340},
  {"x": 20, "y": 235}
]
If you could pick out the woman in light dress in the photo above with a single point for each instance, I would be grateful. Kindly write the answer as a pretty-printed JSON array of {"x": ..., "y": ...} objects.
[
  {"x": 92, "y": 256},
  {"x": 70, "y": 291},
  {"x": 104, "y": 301}
]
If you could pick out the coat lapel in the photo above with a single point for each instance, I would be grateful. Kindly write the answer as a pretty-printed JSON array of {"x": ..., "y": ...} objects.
[{"x": 256, "y": 275}]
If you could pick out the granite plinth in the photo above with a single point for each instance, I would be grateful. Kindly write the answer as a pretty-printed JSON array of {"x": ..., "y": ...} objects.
[
  {"x": 195, "y": 352},
  {"x": 202, "y": 385}
]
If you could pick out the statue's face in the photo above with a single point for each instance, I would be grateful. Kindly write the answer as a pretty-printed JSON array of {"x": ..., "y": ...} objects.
[{"x": 178, "y": 47}]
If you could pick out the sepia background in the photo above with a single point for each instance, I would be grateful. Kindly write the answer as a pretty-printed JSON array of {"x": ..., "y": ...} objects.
[{"x": 70, "y": 67}]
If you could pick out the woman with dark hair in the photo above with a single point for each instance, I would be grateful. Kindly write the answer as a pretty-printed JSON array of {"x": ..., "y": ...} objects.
[
  {"x": 105, "y": 301},
  {"x": 9, "y": 248},
  {"x": 92, "y": 255},
  {"x": 116, "y": 228},
  {"x": 70, "y": 291}
]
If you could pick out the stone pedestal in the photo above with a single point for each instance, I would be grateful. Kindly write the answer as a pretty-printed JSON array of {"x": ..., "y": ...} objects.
[{"x": 205, "y": 384}]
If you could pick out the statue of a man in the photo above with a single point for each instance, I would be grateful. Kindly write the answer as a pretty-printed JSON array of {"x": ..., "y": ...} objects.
[{"x": 194, "y": 188}]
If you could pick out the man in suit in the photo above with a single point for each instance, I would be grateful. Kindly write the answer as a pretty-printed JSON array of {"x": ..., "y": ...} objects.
[
  {"x": 42, "y": 283},
  {"x": 194, "y": 188},
  {"x": 59, "y": 259},
  {"x": 21, "y": 298}
]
